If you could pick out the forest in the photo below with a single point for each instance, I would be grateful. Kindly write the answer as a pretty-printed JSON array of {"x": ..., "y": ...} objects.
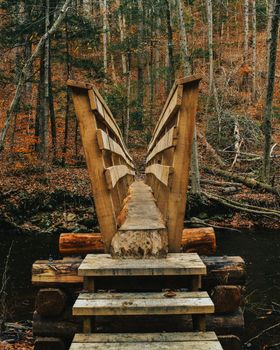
[{"x": 133, "y": 51}]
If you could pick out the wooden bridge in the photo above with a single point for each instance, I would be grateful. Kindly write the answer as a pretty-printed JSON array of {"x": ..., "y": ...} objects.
[
  {"x": 139, "y": 266},
  {"x": 141, "y": 220}
]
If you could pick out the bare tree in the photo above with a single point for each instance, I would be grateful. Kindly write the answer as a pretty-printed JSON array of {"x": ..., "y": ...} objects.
[
  {"x": 210, "y": 44},
  {"x": 272, "y": 55},
  {"x": 195, "y": 176},
  {"x": 254, "y": 48},
  {"x": 246, "y": 31}
]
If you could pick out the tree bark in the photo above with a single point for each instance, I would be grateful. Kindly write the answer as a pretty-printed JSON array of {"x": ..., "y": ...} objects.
[
  {"x": 171, "y": 70},
  {"x": 254, "y": 48},
  {"x": 195, "y": 176},
  {"x": 246, "y": 31},
  {"x": 210, "y": 45},
  {"x": 267, "y": 120}
]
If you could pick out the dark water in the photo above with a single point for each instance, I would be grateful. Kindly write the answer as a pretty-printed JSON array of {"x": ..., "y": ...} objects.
[
  {"x": 25, "y": 250},
  {"x": 260, "y": 250}
]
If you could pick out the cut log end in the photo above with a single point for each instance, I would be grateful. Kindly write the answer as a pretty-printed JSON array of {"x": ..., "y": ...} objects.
[
  {"x": 226, "y": 298},
  {"x": 50, "y": 302},
  {"x": 140, "y": 244}
]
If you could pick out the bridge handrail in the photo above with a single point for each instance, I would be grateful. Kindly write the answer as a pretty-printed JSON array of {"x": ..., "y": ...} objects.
[
  {"x": 169, "y": 154},
  {"x": 111, "y": 168}
]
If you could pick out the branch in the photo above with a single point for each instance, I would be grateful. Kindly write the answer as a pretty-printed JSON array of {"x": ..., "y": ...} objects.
[
  {"x": 248, "y": 181},
  {"x": 243, "y": 207}
]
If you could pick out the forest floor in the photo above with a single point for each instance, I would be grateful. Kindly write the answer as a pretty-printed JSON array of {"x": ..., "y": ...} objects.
[{"x": 60, "y": 200}]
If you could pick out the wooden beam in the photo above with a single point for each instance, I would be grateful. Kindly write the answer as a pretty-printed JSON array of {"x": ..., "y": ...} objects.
[
  {"x": 221, "y": 270},
  {"x": 161, "y": 172},
  {"x": 95, "y": 163},
  {"x": 167, "y": 141},
  {"x": 114, "y": 173},
  {"x": 106, "y": 143},
  {"x": 181, "y": 162}
]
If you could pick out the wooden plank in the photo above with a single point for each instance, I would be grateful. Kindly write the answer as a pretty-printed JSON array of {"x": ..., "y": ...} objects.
[
  {"x": 203, "y": 345},
  {"x": 105, "y": 142},
  {"x": 56, "y": 272},
  {"x": 169, "y": 111},
  {"x": 166, "y": 142},
  {"x": 114, "y": 173},
  {"x": 144, "y": 337},
  {"x": 95, "y": 163},
  {"x": 161, "y": 172},
  {"x": 144, "y": 296},
  {"x": 99, "y": 105},
  {"x": 102, "y": 304},
  {"x": 221, "y": 270},
  {"x": 181, "y": 162},
  {"x": 173, "y": 264},
  {"x": 141, "y": 204}
]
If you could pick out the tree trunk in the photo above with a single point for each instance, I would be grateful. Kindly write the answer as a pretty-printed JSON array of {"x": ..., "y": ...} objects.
[
  {"x": 103, "y": 8},
  {"x": 254, "y": 48},
  {"x": 187, "y": 70},
  {"x": 210, "y": 45},
  {"x": 44, "y": 120},
  {"x": 246, "y": 31},
  {"x": 183, "y": 37},
  {"x": 267, "y": 126},
  {"x": 52, "y": 112},
  {"x": 121, "y": 22},
  {"x": 171, "y": 70}
]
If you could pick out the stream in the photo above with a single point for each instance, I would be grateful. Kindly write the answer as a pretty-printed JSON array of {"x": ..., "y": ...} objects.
[{"x": 260, "y": 250}]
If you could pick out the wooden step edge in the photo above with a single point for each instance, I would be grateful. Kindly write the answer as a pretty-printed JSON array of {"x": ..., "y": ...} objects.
[{"x": 144, "y": 337}]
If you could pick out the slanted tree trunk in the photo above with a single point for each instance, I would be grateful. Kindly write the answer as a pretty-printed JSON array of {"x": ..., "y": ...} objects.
[
  {"x": 267, "y": 126},
  {"x": 25, "y": 72}
]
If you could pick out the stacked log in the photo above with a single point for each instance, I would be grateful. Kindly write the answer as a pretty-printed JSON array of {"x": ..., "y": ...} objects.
[
  {"x": 54, "y": 326},
  {"x": 194, "y": 240}
]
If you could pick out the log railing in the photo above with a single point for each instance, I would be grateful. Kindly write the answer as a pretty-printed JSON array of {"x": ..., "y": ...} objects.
[
  {"x": 111, "y": 168},
  {"x": 169, "y": 155}
]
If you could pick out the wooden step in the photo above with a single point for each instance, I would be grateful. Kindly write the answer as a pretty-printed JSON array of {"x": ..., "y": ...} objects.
[
  {"x": 182, "y": 303},
  {"x": 149, "y": 341},
  {"x": 175, "y": 264}
]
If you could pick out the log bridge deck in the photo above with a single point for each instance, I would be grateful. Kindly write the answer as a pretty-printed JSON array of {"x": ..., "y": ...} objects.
[{"x": 141, "y": 223}]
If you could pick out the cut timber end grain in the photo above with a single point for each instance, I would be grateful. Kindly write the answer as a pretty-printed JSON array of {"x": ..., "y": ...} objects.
[
  {"x": 199, "y": 240},
  {"x": 226, "y": 298},
  {"x": 48, "y": 343},
  {"x": 140, "y": 244},
  {"x": 50, "y": 302}
]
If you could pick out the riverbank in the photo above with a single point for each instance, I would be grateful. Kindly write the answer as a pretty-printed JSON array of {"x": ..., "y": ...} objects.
[{"x": 60, "y": 200}]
